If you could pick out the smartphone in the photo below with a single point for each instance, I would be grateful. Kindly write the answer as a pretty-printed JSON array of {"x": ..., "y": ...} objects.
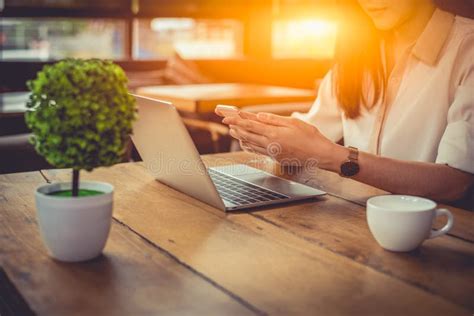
[{"x": 227, "y": 110}]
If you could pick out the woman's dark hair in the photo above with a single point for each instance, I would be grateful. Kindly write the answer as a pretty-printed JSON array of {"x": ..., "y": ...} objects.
[
  {"x": 358, "y": 62},
  {"x": 463, "y": 8}
]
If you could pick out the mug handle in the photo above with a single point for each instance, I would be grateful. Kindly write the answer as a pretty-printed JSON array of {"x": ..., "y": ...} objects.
[{"x": 447, "y": 227}]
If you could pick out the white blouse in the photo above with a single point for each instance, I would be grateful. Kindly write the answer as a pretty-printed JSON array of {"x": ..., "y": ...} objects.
[{"x": 429, "y": 110}]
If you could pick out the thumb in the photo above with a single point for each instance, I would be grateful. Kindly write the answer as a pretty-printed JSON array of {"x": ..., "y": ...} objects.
[{"x": 274, "y": 119}]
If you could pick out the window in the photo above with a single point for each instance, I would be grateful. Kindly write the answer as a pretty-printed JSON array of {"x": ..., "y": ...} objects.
[
  {"x": 192, "y": 38},
  {"x": 153, "y": 29},
  {"x": 56, "y": 38},
  {"x": 306, "y": 38},
  {"x": 69, "y": 4}
]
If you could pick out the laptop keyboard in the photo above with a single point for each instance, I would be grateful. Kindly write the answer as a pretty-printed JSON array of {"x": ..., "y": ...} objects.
[{"x": 240, "y": 192}]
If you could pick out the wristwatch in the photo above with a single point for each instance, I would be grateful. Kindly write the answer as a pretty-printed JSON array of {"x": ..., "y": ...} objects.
[{"x": 350, "y": 167}]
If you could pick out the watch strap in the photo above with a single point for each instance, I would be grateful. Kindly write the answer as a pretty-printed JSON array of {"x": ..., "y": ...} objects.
[
  {"x": 353, "y": 154},
  {"x": 350, "y": 167}
]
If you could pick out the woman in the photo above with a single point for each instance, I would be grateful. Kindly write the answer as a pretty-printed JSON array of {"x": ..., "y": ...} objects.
[{"x": 400, "y": 95}]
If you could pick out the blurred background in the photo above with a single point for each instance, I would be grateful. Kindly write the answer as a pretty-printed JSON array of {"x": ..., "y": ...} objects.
[
  {"x": 295, "y": 37},
  {"x": 286, "y": 43},
  {"x": 272, "y": 42}
]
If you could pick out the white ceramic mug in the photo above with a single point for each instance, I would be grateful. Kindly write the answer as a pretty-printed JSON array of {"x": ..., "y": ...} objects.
[{"x": 403, "y": 222}]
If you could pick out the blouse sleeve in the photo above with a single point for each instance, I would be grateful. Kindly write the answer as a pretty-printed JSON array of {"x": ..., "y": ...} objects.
[
  {"x": 325, "y": 113},
  {"x": 456, "y": 147}
]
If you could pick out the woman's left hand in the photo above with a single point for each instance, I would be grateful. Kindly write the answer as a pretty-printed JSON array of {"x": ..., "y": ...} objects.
[{"x": 288, "y": 140}]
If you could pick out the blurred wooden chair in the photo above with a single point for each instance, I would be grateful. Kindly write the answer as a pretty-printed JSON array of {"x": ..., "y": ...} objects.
[
  {"x": 177, "y": 71},
  {"x": 181, "y": 71},
  {"x": 138, "y": 79}
]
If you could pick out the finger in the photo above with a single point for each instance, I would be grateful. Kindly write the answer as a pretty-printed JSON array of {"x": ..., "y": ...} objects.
[
  {"x": 218, "y": 112},
  {"x": 273, "y": 119},
  {"x": 234, "y": 134},
  {"x": 248, "y": 115},
  {"x": 256, "y": 149},
  {"x": 250, "y": 137},
  {"x": 239, "y": 137},
  {"x": 249, "y": 125},
  {"x": 245, "y": 146},
  {"x": 230, "y": 120}
]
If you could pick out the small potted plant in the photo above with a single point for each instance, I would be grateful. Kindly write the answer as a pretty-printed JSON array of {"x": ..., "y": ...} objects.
[{"x": 81, "y": 117}]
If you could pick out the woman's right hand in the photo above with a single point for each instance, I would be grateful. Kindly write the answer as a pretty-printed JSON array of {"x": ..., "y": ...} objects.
[{"x": 246, "y": 115}]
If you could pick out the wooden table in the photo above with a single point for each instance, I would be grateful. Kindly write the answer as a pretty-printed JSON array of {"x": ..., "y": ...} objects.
[
  {"x": 171, "y": 254},
  {"x": 203, "y": 98}
]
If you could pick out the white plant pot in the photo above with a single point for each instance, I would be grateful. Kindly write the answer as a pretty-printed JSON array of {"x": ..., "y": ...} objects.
[{"x": 74, "y": 228}]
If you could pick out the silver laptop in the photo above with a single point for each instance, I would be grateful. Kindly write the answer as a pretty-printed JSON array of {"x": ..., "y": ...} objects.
[{"x": 169, "y": 154}]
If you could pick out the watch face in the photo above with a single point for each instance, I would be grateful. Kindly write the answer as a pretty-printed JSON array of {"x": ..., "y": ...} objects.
[{"x": 349, "y": 168}]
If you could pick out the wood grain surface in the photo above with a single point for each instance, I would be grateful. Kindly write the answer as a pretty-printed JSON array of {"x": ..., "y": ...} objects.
[
  {"x": 132, "y": 277},
  {"x": 302, "y": 258},
  {"x": 337, "y": 186}
]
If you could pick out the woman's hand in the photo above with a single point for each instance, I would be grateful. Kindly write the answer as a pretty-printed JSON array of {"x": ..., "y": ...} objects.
[
  {"x": 294, "y": 142},
  {"x": 287, "y": 140}
]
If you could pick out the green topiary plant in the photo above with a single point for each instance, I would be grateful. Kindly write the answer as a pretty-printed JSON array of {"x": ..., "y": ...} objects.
[{"x": 80, "y": 114}]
